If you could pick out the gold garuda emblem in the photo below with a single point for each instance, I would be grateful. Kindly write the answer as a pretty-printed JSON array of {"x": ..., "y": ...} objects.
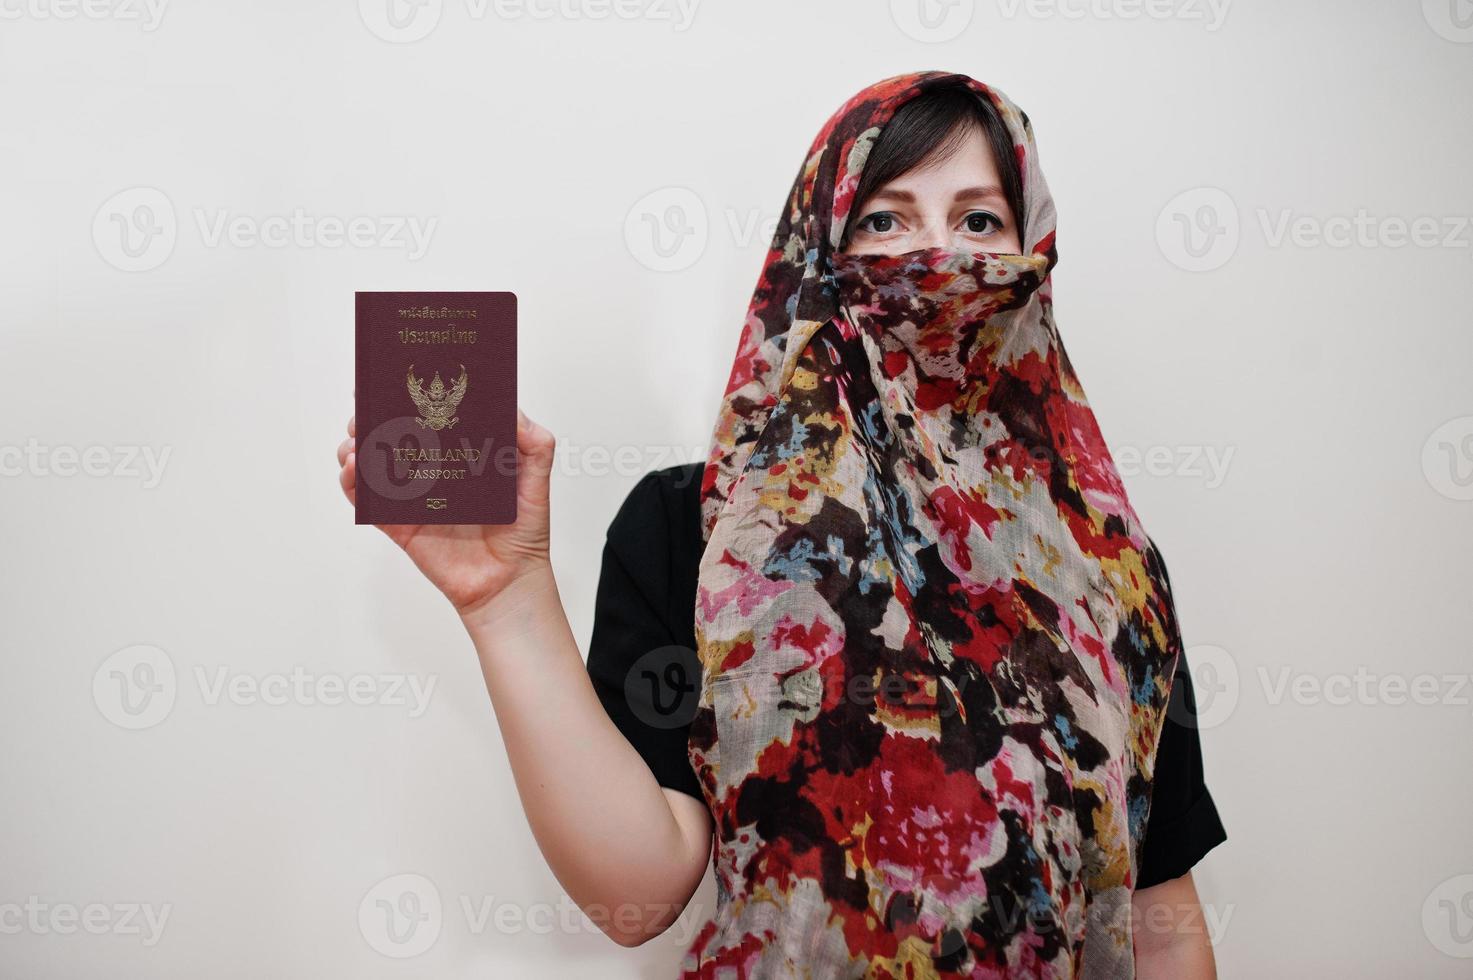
[{"x": 437, "y": 403}]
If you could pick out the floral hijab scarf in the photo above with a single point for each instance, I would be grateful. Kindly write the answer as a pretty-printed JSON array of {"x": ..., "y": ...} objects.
[{"x": 936, "y": 642}]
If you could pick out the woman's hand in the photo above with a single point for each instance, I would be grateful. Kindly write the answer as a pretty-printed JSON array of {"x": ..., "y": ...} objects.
[{"x": 473, "y": 564}]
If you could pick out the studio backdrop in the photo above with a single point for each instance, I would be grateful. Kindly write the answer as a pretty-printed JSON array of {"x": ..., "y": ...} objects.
[{"x": 245, "y": 738}]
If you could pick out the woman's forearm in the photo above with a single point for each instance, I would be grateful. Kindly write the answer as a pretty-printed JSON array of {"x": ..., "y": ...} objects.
[
  {"x": 627, "y": 851},
  {"x": 1172, "y": 941}
]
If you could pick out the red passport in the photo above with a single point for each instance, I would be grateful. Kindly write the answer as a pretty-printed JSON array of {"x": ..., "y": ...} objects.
[{"x": 436, "y": 408}]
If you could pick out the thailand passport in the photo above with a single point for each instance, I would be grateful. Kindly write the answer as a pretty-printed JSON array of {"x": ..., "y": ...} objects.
[{"x": 436, "y": 408}]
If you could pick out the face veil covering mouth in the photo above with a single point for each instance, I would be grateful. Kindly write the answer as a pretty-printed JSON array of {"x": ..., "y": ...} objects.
[{"x": 936, "y": 642}]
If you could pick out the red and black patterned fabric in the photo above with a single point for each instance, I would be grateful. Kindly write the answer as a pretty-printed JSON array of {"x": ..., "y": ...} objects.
[{"x": 936, "y": 642}]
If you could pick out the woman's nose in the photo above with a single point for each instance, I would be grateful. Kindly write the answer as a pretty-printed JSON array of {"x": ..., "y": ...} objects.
[{"x": 933, "y": 235}]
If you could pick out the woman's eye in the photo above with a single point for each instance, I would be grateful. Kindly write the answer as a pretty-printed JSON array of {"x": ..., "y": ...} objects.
[
  {"x": 980, "y": 222},
  {"x": 879, "y": 222}
]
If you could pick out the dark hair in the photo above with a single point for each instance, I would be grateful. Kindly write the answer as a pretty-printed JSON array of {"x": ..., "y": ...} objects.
[{"x": 937, "y": 122}]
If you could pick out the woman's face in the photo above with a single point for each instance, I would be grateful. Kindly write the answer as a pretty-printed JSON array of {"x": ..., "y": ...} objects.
[{"x": 954, "y": 201}]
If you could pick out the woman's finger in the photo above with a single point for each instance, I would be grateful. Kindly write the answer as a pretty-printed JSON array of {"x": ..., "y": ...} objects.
[
  {"x": 534, "y": 441},
  {"x": 344, "y": 448},
  {"x": 535, "y": 451},
  {"x": 348, "y": 476}
]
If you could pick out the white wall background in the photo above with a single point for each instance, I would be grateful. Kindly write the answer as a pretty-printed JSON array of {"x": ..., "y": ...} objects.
[{"x": 1334, "y": 380}]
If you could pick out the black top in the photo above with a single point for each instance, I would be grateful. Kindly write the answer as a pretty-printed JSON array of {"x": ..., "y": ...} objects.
[{"x": 643, "y": 664}]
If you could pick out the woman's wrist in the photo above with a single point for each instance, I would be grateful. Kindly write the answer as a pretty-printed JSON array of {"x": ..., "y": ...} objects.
[{"x": 521, "y": 606}]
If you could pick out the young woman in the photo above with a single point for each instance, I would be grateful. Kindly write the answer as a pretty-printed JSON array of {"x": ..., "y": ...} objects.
[{"x": 897, "y": 659}]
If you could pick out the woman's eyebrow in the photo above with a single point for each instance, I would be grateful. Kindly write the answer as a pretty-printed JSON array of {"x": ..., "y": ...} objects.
[
  {"x": 893, "y": 194},
  {"x": 906, "y": 197},
  {"x": 985, "y": 190}
]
